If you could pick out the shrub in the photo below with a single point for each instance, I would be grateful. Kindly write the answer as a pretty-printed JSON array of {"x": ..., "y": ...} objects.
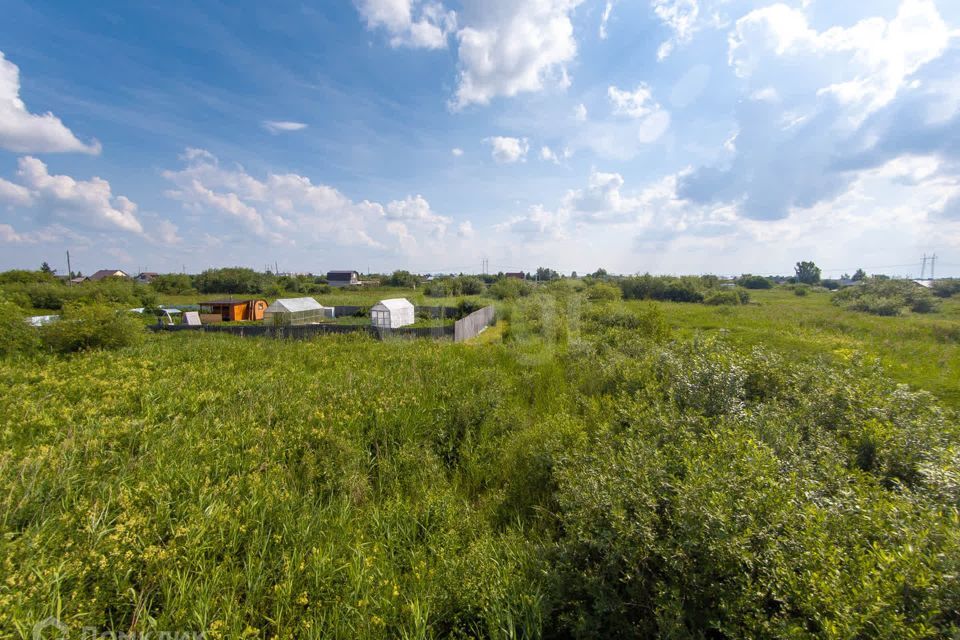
[
  {"x": 437, "y": 288},
  {"x": 467, "y": 286},
  {"x": 667, "y": 288},
  {"x": 946, "y": 288},
  {"x": 604, "y": 291},
  {"x": 91, "y": 326},
  {"x": 510, "y": 288},
  {"x": 886, "y": 297},
  {"x": 728, "y": 297},
  {"x": 16, "y": 336},
  {"x": 749, "y": 281},
  {"x": 232, "y": 280}
]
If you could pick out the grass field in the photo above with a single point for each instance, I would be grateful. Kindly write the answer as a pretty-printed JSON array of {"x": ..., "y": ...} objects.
[
  {"x": 625, "y": 469},
  {"x": 922, "y": 350}
]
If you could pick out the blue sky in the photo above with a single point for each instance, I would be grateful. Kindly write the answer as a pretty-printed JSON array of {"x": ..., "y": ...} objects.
[{"x": 671, "y": 136}]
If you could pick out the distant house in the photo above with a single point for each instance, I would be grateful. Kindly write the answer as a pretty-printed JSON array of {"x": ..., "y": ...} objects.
[
  {"x": 343, "y": 278},
  {"x": 146, "y": 277},
  {"x": 235, "y": 310},
  {"x": 103, "y": 274},
  {"x": 518, "y": 275},
  {"x": 296, "y": 311},
  {"x": 78, "y": 279},
  {"x": 848, "y": 282},
  {"x": 392, "y": 313}
]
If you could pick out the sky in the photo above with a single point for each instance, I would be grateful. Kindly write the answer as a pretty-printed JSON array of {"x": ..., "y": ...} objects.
[{"x": 662, "y": 136}]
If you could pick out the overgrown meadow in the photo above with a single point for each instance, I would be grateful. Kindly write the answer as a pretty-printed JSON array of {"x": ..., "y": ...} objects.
[{"x": 590, "y": 468}]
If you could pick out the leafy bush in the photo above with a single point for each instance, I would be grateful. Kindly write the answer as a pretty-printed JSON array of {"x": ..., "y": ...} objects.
[
  {"x": 886, "y": 297},
  {"x": 173, "y": 283},
  {"x": 467, "y": 286},
  {"x": 648, "y": 287},
  {"x": 603, "y": 291},
  {"x": 437, "y": 288},
  {"x": 16, "y": 336},
  {"x": 748, "y": 281},
  {"x": 232, "y": 280},
  {"x": 946, "y": 288},
  {"x": 91, "y": 326},
  {"x": 510, "y": 289},
  {"x": 728, "y": 297}
]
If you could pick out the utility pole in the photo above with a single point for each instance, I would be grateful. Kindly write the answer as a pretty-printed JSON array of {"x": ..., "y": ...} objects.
[
  {"x": 69, "y": 270},
  {"x": 933, "y": 264},
  {"x": 923, "y": 269}
]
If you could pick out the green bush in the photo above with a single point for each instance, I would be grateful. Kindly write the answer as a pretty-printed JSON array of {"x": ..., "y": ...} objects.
[
  {"x": 946, "y": 288},
  {"x": 437, "y": 288},
  {"x": 736, "y": 296},
  {"x": 748, "y": 281},
  {"x": 667, "y": 288},
  {"x": 886, "y": 297},
  {"x": 91, "y": 326},
  {"x": 603, "y": 291},
  {"x": 16, "y": 336},
  {"x": 510, "y": 289}
]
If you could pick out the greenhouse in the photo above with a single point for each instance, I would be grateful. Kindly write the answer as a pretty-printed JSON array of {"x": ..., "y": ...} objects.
[
  {"x": 392, "y": 314},
  {"x": 296, "y": 311}
]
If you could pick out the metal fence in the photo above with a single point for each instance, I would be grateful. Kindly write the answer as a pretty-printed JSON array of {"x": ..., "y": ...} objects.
[{"x": 473, "y": 324}]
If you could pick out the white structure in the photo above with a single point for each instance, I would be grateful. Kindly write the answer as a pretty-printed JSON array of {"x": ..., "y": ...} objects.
[
  {"x": 392, "y": 314},
  {"x": 39, "y": 321},
  {"x": 294, "y": 311}
]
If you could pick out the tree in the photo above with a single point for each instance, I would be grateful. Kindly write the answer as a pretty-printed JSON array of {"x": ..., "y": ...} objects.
[
  {"x": 545, "y": 274},
  {"x": 860, "y": 275},
  {"x": 807, "y": 272},
  {"x": 45, "y": 268},
  {"x": 599, "y": 273}
]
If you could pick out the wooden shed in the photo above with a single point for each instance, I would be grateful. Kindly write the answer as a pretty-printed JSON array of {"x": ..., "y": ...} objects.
[{"x": 235, "y": 310}]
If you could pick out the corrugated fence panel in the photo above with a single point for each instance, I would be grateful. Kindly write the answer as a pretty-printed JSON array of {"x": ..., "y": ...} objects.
[
  {"x": 473, "y": 324},
  {"x": 309, "y": 331}
]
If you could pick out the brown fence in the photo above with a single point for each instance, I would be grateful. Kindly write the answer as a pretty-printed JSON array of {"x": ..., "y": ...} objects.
[{"x": 473, "y": 324}]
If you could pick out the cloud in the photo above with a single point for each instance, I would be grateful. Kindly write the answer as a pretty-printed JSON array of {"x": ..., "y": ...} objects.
[
  {"x": 862, "y": 67},
  {"x": 291, "y": 209},
  {"x": 634, "y": 104},
  {"x": 604, "y": 19},
  {"x": 410, "y": 23},
  {"x": 681, "y": 17},
  {"x": 538, "y": 224},
  {"x": 457, "y": 152},
  {"x": 465, "y": 229},
  {"x": 828, "y": 104},
  {"x": 24, "y": 132},
  {"x": 88, "y": 203},
  {"x": 549, "y": 155},
  {"x": 166, "y": 233},
  {"x": 510, "y": 47},
  {"x": 508, "y": 150},
  {"x": 580, "y": 113},
  {"x": 279, "y": 126}
]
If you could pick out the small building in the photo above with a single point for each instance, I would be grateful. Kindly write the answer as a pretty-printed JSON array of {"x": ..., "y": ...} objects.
[
  {"x": 146, "y": 277},
  {"x": 517, "y": 275},
  {"x": 78, "y": 279},
  {"x": 343, "y": 278},
  {"x": 296, "y": 311},
  {"x": 235, "y": 310},
  {"x": 103, "y": 274},
  {"x": 392, "y": 313}
]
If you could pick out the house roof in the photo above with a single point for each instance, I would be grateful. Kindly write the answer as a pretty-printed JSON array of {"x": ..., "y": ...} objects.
[
  {"x": 394, "y": 304},
  {"x": 108, "y": 273},
  {"x": 293, "y": 305},
  {"x": 338, "y": 275}
]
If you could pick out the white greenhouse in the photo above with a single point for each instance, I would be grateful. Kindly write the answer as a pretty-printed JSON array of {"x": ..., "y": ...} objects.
[
  {"x": 296, "y": 311},
  {"x": 392, "y": 314}
]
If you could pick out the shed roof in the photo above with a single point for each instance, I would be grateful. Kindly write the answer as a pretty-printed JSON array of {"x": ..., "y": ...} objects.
[
  {"x": 395, "y": 304},
  {"x": 293, "y": 305},
  {"x": 228, "y": 302},
  {"x": 346, "y": 274}
]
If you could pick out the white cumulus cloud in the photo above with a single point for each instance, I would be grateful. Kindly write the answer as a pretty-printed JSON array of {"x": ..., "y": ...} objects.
[
  {"x": 509, "y": 47},
  {"x": 84, "y": 203},
  {"x": 25, "y": 132},
  {"x": 508, "y": 150},
  {"x": 410, "y": 23}
]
